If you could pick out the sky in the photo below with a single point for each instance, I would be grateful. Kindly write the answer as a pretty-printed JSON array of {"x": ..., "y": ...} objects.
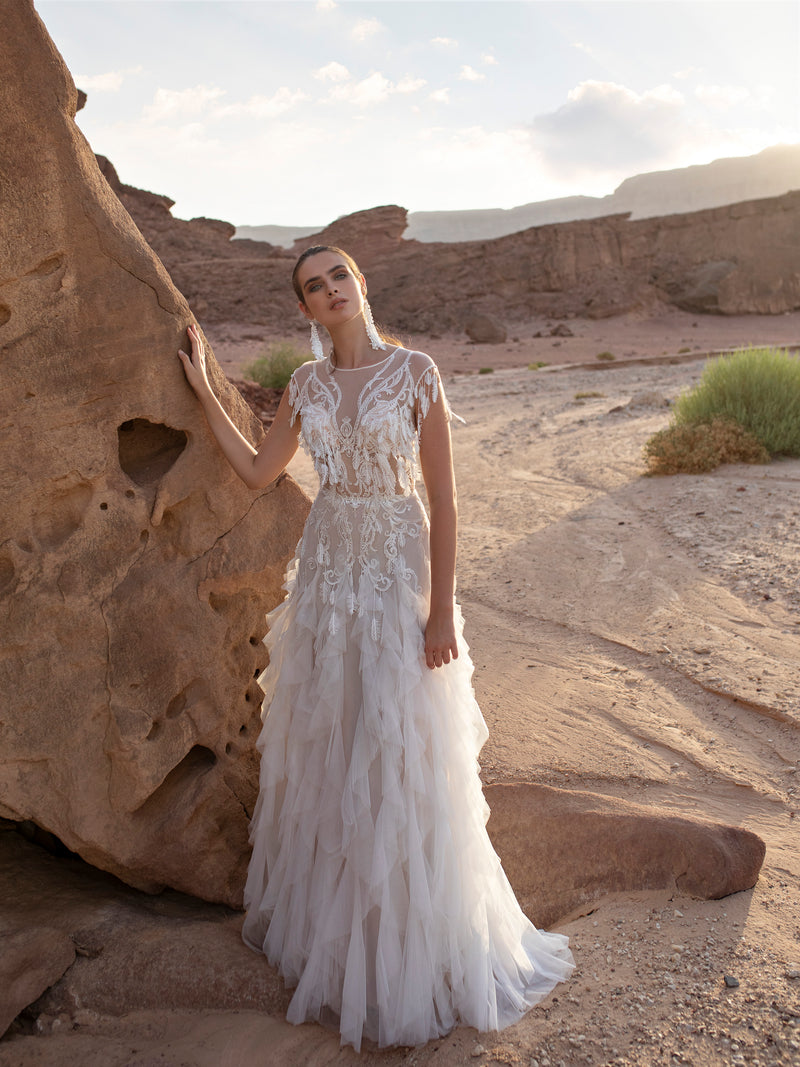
[{"x": 296, "y": 112}]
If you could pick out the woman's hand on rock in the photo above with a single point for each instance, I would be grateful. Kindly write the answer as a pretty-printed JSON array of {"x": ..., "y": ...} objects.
[{"x": 194, "y": 364}]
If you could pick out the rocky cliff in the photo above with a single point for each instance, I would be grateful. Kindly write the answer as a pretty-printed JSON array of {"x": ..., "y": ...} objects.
[
  {"x": 135, "y": 569},
  {"x": 739, "y": 259}
]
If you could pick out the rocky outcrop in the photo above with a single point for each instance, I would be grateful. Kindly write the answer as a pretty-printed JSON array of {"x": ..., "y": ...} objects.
[
  {"x": 135, "y": 570},
  {"x": 739, "y": 259},
  {"x": 730, "y": 260},
  {"x": 222, "y": 279}
]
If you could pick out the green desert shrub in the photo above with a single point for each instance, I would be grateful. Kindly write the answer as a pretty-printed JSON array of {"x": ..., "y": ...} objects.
[
  {"x": 275, "y": 366},
  {"x": 756, "y": 388},
  {"x": 695, "y": 448}
]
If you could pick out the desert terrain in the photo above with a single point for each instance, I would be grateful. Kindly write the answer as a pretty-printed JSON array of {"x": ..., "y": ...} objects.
[{"x": 633, "y": 638}]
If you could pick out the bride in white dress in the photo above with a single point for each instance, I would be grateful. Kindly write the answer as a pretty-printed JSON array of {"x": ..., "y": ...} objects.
[{"x": 373, "y": 886}]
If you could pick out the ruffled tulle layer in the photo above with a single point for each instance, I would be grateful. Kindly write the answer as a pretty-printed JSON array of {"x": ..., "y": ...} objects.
[{"x": 373, "y": 886}]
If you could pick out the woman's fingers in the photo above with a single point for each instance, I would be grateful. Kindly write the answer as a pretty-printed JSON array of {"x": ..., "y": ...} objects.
[{"x": 438, "y": 656}]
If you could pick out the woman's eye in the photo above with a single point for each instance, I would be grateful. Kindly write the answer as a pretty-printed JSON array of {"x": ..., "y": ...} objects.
[
  {"x": 313, "y": 288},
  {"x": 340, "y": 275}
]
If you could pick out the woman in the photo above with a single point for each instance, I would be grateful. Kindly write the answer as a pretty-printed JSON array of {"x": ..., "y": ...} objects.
[{"x": 373, "y": 886}]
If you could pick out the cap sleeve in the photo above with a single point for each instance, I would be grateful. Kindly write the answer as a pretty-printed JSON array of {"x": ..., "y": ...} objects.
[
  {"x": 427, "y": 393},
  {"x": 297, "y": 389}
]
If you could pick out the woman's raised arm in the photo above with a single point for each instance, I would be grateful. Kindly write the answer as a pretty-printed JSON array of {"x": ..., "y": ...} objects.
[{"x": 256, "y": 467}]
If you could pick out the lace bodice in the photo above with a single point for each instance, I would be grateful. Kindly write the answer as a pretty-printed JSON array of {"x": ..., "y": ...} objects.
[{"x": 361, "y": 427}]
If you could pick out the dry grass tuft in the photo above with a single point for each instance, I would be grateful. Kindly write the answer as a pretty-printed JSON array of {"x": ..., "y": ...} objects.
[{"x": 696, "y": 448}]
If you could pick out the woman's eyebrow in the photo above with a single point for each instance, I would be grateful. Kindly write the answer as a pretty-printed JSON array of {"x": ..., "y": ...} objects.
[{"x": 318, "y": 277}]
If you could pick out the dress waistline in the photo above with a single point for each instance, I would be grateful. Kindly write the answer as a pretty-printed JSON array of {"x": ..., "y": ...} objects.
[{"x": 354, "y": 499}]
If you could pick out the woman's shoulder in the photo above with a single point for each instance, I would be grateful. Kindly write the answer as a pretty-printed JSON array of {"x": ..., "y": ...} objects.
[
  {"x": 302, "y": 373},
  {"x": 418, "y": 362}
]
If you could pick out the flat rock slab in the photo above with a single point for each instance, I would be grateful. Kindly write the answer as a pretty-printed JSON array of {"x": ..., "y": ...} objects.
[{"x": 564, "y": 850}]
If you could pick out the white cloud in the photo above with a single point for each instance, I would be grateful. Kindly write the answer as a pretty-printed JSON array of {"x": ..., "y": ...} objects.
[
  {"x": 333, "y": 72},
  {"x": 110, "y": 82},
  {"x": 441, "y": 96},
  {"x": 585, "y": 48},
  {"x": 687, "y": 72},
  {"x": 410, "y": 85},
  {"x": 371, "y": 90},
  {"x": 444, "y": 42},
  {"x": 607, "y": 127},
  {"x": 722, "y": 96},
  {"x": 363, "y": 29},
  {"x": 376, "y": 88},
  {"x": 325, "y": 5},
  {"x": 262, "y": 107},
  {"x": 488, "y": 59},
  {"x": 169, "y": 103},
  {"x": 469, "y": 74}
]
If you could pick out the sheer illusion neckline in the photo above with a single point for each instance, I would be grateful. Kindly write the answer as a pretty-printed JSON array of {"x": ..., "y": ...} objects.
[{"x": 367, "y": 366}]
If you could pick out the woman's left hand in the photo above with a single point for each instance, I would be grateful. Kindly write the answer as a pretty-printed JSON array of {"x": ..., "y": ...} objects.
[{"x": 440, "y": 639}]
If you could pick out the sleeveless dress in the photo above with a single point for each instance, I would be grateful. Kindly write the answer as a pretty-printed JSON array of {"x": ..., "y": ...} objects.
[{"x": 373, "y": 886}]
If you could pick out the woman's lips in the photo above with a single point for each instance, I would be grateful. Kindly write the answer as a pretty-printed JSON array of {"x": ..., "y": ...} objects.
[{"x": 340, "y": 303}]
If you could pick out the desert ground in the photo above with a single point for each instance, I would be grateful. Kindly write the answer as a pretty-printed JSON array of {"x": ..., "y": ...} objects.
[{"x": 632, "y": 637}]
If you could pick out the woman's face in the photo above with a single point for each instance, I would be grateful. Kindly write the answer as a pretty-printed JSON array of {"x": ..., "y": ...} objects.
[{"x": 332, "y": 293}]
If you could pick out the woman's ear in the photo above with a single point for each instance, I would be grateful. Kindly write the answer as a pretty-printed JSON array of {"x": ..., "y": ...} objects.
[
  {"x": 363, "y": 283},
  {"x": 305, "y": 311}
]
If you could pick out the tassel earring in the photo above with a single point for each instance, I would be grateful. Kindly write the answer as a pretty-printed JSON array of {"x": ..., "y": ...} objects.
[
  {"x": 372, "y": 333},
  {"x": 316, "y": 344}
]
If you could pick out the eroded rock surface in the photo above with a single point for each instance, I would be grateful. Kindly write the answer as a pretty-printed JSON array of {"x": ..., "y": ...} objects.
[{"x": 135, "y": 570}]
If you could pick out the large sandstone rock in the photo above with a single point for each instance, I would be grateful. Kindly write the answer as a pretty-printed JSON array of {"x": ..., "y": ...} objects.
[
  {"x": 563, "y": 850},
  {"x": 135, "y": 570}
]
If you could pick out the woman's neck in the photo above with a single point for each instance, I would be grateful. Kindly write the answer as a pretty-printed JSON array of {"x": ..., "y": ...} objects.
[{"x": 351, "y": 347}]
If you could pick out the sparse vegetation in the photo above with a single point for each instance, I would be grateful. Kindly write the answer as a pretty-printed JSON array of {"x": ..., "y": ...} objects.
[
  {"x": 274, "y": 368},
  {"x": 538, "y": 364},
  {"x": 591, "y": 395},
  {"x": 486, "y": 370},
  {"x": 756, "y": 388},
  {"x": 695, "y": 448},
  {"x": 606, "y": 355},
  {"x": 744, "y": 409},
  {"x": 684, "y": 349}
]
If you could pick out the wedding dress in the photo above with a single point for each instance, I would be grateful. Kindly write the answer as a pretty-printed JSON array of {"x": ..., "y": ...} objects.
[{"x": 373, "y": 886}]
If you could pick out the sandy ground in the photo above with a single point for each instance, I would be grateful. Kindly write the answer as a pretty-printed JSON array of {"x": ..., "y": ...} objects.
[
  {"x": 670, "y": 332},
  {"x": 632, "y": 636}
]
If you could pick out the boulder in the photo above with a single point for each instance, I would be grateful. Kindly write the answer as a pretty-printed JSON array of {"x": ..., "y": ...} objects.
[
  {"x": 562, "y": 850},
  {"x": 135, "y": 569},
  {"x": 485, "y": 330},
  {"x": 31, "y": 960}
]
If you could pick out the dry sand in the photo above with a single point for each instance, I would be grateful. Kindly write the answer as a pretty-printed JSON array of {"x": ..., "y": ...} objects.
[{"x": 635, "y": 637}]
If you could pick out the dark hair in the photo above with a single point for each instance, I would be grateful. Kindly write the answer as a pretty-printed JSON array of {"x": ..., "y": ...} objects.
[{"x": 351, "y": 263}]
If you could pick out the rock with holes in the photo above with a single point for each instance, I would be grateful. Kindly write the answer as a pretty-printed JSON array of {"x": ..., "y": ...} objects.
[{"x": 135, "y": 569}]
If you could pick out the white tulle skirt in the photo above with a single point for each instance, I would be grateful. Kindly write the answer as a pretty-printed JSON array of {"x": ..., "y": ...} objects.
[{"x": 373, "y": 886}]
